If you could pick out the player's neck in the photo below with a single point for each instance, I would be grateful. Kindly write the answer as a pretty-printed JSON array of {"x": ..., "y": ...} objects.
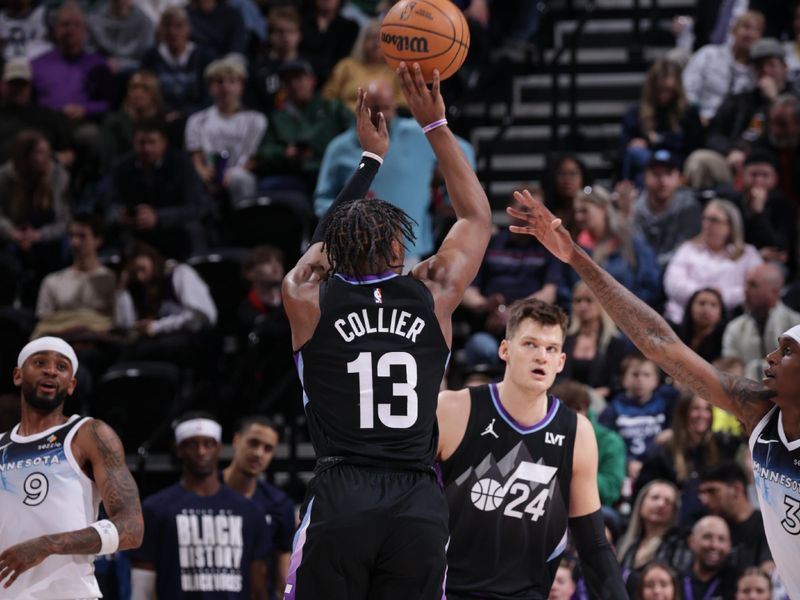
[
  {"x": 525, "y": 407},
  {"x": 790, "y": 417},
  {"x": 207, "y": 485},
  {"x": 33, "y": 421},
  {"x": 241, "y": 482}
]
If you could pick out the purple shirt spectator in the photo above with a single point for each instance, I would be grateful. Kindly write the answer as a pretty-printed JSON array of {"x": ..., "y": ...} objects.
[{"x": 59, "y": 81}]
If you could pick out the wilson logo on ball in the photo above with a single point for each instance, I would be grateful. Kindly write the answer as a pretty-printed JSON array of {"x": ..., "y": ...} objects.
[
  {"x": 409, "y": 8},
  {"x": 405, "y": 43}
]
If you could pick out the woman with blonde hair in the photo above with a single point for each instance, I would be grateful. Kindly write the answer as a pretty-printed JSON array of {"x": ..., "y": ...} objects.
[
  {"x": 607, "y": 237},
  {"x": 718, "y": 257},
  {"x": 364, "y": 65},
  {"x": 593, "y": 345},
  {"x": 662, "y": 119},
  {"x": 652, "y": 532}
]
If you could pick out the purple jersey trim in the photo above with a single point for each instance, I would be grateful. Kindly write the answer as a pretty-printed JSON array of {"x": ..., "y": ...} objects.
[
  {"x": 297, "y": 554},
  {"x": 551, "y": 413},
  {"x": 368, "y": 279}
]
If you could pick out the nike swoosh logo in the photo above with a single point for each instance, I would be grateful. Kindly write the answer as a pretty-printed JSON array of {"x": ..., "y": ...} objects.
[{"x": 761, "y": 440}]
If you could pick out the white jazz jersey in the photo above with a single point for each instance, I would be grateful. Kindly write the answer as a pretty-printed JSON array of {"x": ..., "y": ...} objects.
[
  {"x": 44, "y": 491},
  {"x": 776, "y": 471}
]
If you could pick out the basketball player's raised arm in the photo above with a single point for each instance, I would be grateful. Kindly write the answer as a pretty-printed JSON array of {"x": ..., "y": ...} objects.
[
  {"x": 96, "y": 443},
  {"x": 748, "y": 400},
  {"x": 456, "y": 263}
]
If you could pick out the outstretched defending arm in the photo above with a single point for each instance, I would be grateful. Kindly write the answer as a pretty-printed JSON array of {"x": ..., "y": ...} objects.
[
  {"x": 746, "y": 399},
  {"x": 97, "y": 444},
  {"x": 456, "y": 263}
]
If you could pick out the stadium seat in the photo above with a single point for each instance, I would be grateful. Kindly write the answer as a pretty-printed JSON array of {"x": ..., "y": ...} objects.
[
  {"x": 282, "y": 220},
  {"x": 221, "y": 269},
  {"x": 138, "y": 399}
]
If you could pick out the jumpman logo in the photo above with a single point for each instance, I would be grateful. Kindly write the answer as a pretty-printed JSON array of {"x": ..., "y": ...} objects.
[{"x": 490, "y": 430}]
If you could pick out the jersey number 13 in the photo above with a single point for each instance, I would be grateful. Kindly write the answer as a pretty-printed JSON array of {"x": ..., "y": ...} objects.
[{"x": 362, "y": 365}]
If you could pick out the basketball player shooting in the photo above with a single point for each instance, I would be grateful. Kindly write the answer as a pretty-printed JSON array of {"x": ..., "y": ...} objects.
[
  {"x": 769, "y": 410},
  {"x": 54, "y": 471},
  {"x": 518, "y": 469},
  {"x": 371, "y": 348}
]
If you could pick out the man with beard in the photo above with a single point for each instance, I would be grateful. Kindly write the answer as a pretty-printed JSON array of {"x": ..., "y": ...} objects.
[
  {"x": 710, "y": 576},
  {"x": 254, "y": 445},
  {"x": 54, "y": 471},
  {"x": 202, "y": 538}
]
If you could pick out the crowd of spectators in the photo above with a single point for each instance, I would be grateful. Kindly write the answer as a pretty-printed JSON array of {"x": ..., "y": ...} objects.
[{"x": 135, "y": 134}]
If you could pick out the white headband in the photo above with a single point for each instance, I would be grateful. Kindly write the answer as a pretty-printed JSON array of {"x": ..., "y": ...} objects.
[
  {"x": 794, "y": 333},
  {"x": 198, "y": 427},
  {"x": 48, "y": 344}
]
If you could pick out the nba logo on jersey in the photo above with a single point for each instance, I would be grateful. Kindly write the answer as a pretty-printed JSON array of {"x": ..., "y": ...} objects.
[{"x": 378, "y": 296}]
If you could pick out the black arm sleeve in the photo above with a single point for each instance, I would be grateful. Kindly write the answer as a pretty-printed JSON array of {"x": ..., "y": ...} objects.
[
  {"x": 599, "y": 565},
  {"x": 356, "y": 187}
]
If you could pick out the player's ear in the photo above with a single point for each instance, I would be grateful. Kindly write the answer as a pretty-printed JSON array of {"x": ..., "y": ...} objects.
[
  {"x": 17, "y": 376},
  {"x": 502, "y": 351},
  {"x": 561, "y": 362},
  {"x": 71, "y": 387}
]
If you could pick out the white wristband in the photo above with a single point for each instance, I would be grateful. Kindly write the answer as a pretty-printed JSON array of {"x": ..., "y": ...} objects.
[
  {"x": 109, "y": 536},
  {"x": 373, "y": 156}
]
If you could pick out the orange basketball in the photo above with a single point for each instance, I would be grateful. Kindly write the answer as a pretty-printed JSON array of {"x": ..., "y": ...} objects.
[{"x": 433, "y": 33}]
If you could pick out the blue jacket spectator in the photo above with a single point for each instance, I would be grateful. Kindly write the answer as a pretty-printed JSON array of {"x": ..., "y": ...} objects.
[{"x": 406, "y": 174}]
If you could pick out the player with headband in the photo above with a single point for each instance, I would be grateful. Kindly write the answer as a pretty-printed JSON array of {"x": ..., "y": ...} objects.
[
  {"x": 769, "y": 409},
  {"x": 54, "y": 472}
]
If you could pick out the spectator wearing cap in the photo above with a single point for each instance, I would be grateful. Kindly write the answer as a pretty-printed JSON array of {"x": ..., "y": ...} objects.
[
  {"x": 782, "y": 138},
  {"x": 18, "y": 112},
  {"x": 218, "y": 26},
  {"x": 741, "y": 119},
  {"x": 365, "y": 64},
  {"x": 769, "y": 219},
  {"x": 717, "y": 257},
  {"x": 717, "y": 70},
  {"x": 156, "y": 195},
  {"x": 299, "y": 131},
  {"x": 179, "y": 64},
  {"x": 202, "y": 538},
  {"x": 264, "y": 85},
  {"x": 665, "y": 214},
  {"x": 23, "y": 29},
  {"x": 223, "y": 138}
]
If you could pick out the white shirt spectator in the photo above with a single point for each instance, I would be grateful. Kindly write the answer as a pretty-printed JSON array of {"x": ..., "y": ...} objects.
[
  {"x": 711, "y": 75},
  {"x": 26, "y": 37},
  {"x": 238, "y": 134}
]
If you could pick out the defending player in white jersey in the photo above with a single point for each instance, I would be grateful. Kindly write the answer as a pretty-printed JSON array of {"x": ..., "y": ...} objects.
[
  {"x": 769, "y": 410},
  {"x": 54, "y": 471}
]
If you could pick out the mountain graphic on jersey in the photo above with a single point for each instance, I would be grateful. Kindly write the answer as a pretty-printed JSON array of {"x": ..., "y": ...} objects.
[{"x": 516, "y": 487}]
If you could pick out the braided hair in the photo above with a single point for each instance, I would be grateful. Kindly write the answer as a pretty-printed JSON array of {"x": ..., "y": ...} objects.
[{"x": 359, "y": 236}]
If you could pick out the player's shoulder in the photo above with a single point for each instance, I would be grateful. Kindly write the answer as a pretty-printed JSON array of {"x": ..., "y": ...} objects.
[
  {"x": 272, "y": 496},
  {"x": 454, "y": 399},
  {"x": 162, "y": 501},
  {"x": 235, "y": 501}
]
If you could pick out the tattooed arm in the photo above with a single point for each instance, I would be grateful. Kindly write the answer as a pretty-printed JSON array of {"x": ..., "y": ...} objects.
[
  {"x": 748, "y": 400},
  {"x": 99, "y": 450}
]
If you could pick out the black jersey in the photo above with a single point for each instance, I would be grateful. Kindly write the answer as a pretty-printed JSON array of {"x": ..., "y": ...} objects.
[
  {"x": 507, "y": 487},
  {"x": 372, "y": 369}
]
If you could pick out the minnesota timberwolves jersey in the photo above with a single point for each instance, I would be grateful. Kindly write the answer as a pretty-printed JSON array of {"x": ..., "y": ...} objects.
[
  {"x": 507, "y": 487},
  {"x": 776, "y": 472},
  {"x": 371, "y": 370},
  {"x": 44, "y": 491}
]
